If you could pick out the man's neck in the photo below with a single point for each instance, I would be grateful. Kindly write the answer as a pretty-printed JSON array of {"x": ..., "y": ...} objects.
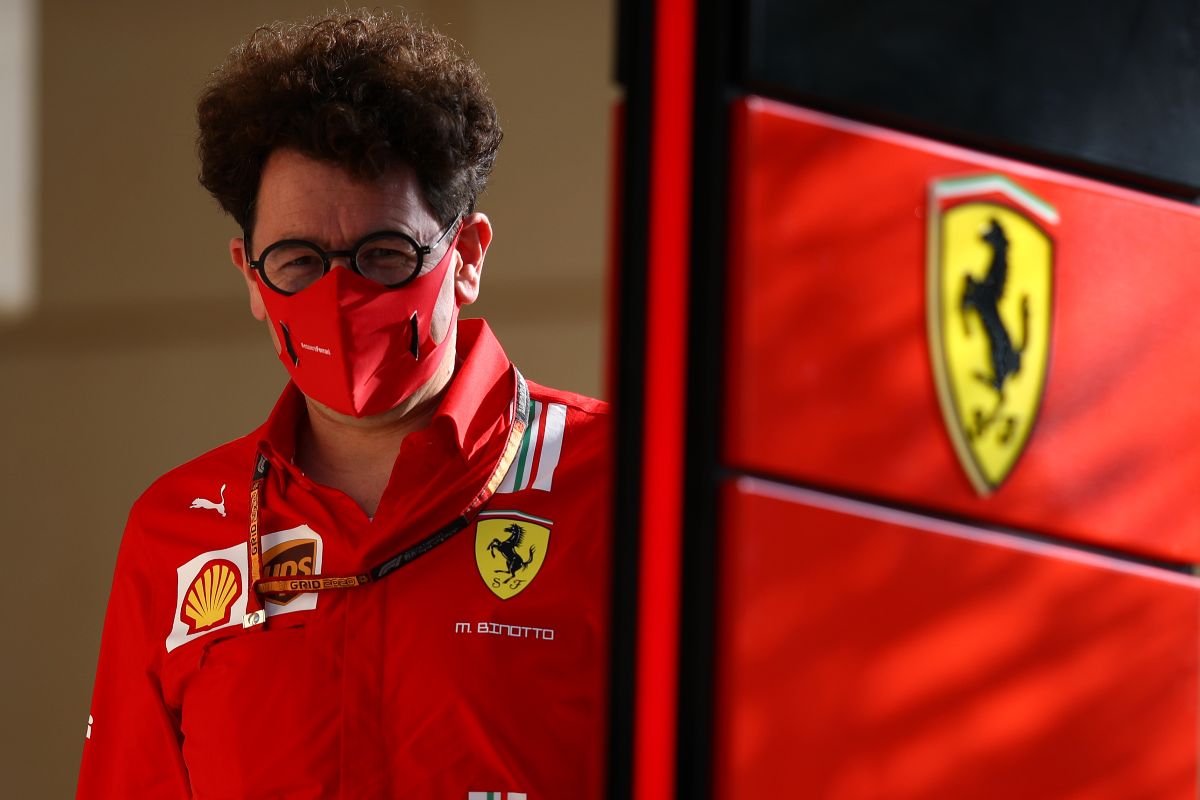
[{"x": 357, "y": 455}]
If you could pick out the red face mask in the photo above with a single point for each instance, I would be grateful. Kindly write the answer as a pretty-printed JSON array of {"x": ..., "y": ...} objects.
[{"x": 356, "y": 346}]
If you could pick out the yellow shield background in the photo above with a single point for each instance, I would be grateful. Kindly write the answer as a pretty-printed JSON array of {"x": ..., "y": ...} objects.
[
  {"x": 510, "y": 548},
  {"x": 989, "y": 425}
]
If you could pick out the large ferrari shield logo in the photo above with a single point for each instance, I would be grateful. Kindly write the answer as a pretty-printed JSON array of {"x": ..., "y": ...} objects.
[
  {"x": 510, "y": 547},
  {"x": 990, "y": 280}
]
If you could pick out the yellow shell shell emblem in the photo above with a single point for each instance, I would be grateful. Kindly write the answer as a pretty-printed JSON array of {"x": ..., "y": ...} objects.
[
  {"x": 989, "y": 285},
  {"x": 510, "y": 548},
  {"x": 211, "y": 595}
]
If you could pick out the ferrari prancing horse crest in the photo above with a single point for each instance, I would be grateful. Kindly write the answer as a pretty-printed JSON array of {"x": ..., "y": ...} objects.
[
  {"x": 510, "y": 547},
  {"x": 989, "y": 285}
]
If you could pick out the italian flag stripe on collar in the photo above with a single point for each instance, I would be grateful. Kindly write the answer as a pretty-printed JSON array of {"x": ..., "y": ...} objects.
[{"x": 534, "y": 466}]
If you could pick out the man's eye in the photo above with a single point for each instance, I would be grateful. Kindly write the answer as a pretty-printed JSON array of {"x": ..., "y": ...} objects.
[
  {"x": 301, "y": 262},
  {"x": 381, "y": 253}
]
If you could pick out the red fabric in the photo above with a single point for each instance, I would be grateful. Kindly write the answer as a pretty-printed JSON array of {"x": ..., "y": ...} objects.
[{"x": 389, "y": 690}]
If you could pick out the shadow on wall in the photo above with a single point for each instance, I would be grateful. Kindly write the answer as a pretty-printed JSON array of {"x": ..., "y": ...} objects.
[{"x": 865, "y": 658}]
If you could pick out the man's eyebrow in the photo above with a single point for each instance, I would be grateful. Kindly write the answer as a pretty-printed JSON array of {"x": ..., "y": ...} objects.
[{"x": 294, "y": 233}]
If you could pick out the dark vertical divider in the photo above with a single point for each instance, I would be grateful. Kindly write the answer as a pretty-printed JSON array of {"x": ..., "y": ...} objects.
[
  {"x": 718, "y": 37},
  {"x": 635, "y": 62}
]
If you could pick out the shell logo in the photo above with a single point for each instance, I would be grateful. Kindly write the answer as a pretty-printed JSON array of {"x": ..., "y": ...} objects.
[{"x": 211, "y": 595}]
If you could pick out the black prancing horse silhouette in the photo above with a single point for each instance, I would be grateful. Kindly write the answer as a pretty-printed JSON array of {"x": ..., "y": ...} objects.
[
  {"x": 983, "y": 297},
  {"x": 508, "y": 549}
]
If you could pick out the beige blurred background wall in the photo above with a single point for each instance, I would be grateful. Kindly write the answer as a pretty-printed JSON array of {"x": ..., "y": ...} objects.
[{"x": 139, "y": 352}]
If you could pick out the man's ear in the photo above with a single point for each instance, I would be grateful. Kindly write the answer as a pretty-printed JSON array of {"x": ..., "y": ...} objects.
[
  {"x": 237, "y": 254},
  {"x": 473, "y": 241}
]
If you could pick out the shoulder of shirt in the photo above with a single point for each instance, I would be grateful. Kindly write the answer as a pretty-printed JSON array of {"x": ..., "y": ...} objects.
[
  {"x": 579, "y": 403},
  {"x": 230, "y": 464},
  {"x": 584, "y": 451}
]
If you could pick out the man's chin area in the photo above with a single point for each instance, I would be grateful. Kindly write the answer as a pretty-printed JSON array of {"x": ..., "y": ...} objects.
[
  {"x": 398, "y": 412},
  {"x": 419, "y": 404},
  {"x": 411, "y": 405}
]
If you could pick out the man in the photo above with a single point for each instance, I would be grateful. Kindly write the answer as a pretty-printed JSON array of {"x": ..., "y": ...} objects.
[{"x": 396, "y": 587}]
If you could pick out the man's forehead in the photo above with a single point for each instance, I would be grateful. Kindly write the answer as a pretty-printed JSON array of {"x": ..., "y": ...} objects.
[{"x": 297, "y": 191}]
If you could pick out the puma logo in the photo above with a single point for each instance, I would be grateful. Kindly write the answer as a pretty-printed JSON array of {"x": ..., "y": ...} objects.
[{"x": 200, "y": 502}]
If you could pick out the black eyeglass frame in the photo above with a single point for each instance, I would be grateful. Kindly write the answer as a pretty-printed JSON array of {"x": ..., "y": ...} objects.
[{"x": 327, "y": 256}]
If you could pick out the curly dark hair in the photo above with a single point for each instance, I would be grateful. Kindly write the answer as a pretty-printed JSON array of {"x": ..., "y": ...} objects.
[{"x": 362, "y": 90}]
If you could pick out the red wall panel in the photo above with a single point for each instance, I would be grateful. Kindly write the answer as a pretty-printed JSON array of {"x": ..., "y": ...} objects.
[
  {"x": 829, "y": 376},
  {"x": 867, "y": 653}
]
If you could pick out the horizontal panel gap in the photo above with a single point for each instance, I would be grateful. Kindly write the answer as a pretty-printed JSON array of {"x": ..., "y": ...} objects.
[{"x": 937, "y": 521}]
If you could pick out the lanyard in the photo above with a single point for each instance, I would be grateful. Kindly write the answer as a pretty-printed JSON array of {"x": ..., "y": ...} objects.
[{"x": 255, "y": 610}]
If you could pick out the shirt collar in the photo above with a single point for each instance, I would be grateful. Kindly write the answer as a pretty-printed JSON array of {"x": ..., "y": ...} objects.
[{"x": 477, "y": 401}]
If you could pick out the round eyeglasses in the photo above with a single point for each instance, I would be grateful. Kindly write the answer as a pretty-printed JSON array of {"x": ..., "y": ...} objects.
[{"x": 390, "y": 258}]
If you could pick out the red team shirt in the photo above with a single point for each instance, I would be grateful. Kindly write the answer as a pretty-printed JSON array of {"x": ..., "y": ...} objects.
[{"x": 475, "y": 671}]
